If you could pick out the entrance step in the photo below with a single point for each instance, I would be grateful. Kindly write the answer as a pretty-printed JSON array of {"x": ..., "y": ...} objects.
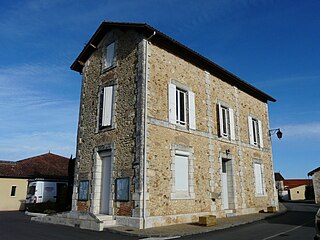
[
  {"x": 230, "y": 213},
  {"x": 107, "y": 220}
]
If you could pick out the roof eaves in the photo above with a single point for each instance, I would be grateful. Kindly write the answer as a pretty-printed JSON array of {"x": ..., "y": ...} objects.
[
  {"x": 313, "y": 171},
  {"x": 177, "y": 46}
]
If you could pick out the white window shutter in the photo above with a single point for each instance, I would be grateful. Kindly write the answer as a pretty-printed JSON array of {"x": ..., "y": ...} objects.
[
  {"x": 107, "y": 106},
  {"x": 114, "y": 59},
  {"x": 250, "y": 130},
  {"x": 181, "y": 173},
  {"x": 258, "y": 178},
  {"x": 192, "y": 110},
  {"x": 110, "y": 55},
  {"x": 220, "y": 120},
  {"x": 231, "y": 117},
  {"x": 260, "y": 134},
  {"x": 172, "y": 103}
]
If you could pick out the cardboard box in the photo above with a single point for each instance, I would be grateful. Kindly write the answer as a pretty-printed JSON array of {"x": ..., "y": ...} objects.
[
  {"x": 271, "y": 209},
  {"x": 209, "y": 220}
]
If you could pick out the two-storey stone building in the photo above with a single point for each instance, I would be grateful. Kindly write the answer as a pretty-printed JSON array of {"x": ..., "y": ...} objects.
[{"x": 165, "y": 135}]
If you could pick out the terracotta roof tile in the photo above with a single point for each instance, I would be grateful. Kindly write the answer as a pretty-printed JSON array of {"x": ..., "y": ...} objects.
[
  {"x": 48, "y": 165},
  {"x": 292, "y": 183}
]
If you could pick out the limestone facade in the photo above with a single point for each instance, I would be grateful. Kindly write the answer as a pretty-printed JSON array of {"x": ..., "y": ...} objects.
[
  {"x": 316, "y": 183},
  {"x": 179, "y": 132},
  {"x": 316, "y": 186}
]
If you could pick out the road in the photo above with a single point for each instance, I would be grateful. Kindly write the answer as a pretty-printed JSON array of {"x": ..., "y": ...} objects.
[
  {"x": 297, "y": 223},
  {"x": 17, "y": 226}
]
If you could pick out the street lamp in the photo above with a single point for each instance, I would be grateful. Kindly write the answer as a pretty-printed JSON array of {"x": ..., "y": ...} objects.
[{"x": 276, "y": 131}]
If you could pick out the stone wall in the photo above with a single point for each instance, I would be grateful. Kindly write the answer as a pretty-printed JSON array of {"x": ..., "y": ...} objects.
[
  {"x": 126, "y": 138},
  {"x": 122, "y": 135},
  {"x": 209, "y": 149},
  {"x": 316, "y": 186}
]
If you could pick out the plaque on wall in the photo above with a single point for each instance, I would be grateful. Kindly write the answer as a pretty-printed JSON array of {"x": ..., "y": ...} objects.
[
  {"x": 83, "y": 190},
  {"x": 122, "y": 189}
]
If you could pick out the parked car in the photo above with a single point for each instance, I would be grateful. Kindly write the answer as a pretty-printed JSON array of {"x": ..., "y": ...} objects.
[
  {"x": 44, "y": 191},
  {"x": 317, "y": 225}
]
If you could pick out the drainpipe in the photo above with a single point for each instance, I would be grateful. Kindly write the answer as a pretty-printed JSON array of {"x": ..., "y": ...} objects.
[{"x": 145, "y": 129}]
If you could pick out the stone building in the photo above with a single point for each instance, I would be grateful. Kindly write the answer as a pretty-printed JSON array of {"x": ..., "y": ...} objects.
[
  {"x": 165, "y": 135},
  {"x": 315, "y": 174}
]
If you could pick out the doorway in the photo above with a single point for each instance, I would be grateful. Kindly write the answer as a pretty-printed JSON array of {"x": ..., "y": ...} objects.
[
  {"x": 105, "y": 198},
  {"x": 227, "y": 184}
]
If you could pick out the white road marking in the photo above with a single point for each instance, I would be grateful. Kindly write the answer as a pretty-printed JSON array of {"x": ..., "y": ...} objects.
[
  {"x": 160, "y": 238},
  {"x": 290, "y": 230}
]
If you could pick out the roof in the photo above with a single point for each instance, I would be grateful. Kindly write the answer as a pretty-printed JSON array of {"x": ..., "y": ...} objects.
[
  {"x": 278, "y": 176},
  {"x": 314, "y": 171},
  {"x": 293, "y": 183},
  {"x": 48, "y": 165},
  {"x": 171, "y": 45}
]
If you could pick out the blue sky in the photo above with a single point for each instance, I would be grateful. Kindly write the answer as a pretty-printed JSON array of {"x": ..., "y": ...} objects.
[{"x": 273, "y": 45}]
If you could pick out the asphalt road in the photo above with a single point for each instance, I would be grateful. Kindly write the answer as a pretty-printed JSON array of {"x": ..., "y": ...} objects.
[
  {"x": 297, "y": 223},
  {"x": 17, "y": 226}
]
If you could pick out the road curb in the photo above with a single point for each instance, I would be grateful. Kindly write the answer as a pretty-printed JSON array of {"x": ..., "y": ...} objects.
[
  {"x": 130, "y": 231},
  {"x": 33, "y": 214}
]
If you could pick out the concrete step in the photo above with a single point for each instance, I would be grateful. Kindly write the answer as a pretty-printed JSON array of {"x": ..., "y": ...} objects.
[
  {"x": 107, "y": 220},
  {"x": 103, "y": 217},
  {"x": 230, "y": 213}
]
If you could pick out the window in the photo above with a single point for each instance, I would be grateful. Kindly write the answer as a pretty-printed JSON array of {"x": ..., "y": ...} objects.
[
  {"x": 110, "y": 56},
  {"x": 181, "y": 107},
  {"x": 226, "y": 120},
  {"x": 255, "y": 132},
  {"x": 181, "y": 174},
  {"x": 106, "y": 107},
  {"x": 31, "y": 190},
  {"x": 258, "y": 177},
  {"x": 13, "y": 191},
  {"x": 182, "y": 183}
]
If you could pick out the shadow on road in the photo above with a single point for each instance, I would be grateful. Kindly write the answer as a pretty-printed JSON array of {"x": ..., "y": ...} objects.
[{"x": 298, "y": 213}]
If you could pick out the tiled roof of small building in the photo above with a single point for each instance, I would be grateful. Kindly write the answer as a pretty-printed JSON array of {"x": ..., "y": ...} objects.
[
  {"x": 48, "y": 165},
  {"x": 292, "y": 183}
]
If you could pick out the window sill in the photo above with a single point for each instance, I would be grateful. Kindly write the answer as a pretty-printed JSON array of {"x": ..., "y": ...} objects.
[
  {"x": 181, "y": 127},
  {"x": 105, "y": 129},
  {"x": 255, "y": 146},
  {"x": 107, "y": 69},
  {"x": 182, "y": 196},
  {"x": 260, "y": 195}
]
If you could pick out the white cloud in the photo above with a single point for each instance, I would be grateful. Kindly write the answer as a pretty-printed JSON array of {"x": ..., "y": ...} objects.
[
  {"x": 20, "y": 146},
  {"x": 288, "y": 80},
  {"x": 303, "y": 130}
]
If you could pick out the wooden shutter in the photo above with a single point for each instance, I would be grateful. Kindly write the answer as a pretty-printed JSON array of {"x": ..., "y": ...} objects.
[
  {"x": 110, "y": 55},
  {"x": 220, "y": 120},
  {"x": 258, "y": 178},
  {"x": 172, "y": 103},
  {"x": 181, "y": 173},
  {"x": 231, "y": 118},
  {"x": 114, "y": 59},
  {"x": 250, "y": 130},
  {"x": 192, "y": 110},
  {"x": 107, "y": 106},
  {"x": 260, "y": 134}
]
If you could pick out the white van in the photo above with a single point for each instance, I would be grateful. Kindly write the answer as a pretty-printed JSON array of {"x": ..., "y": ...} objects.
[{"x": 43, "y": 191}]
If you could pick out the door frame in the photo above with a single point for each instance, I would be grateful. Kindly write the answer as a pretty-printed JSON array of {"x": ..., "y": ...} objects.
[
  {"x": 105, "y": 156},
  {"x": 97, "y": 179},
  {"x": 232, "y": 198}
]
